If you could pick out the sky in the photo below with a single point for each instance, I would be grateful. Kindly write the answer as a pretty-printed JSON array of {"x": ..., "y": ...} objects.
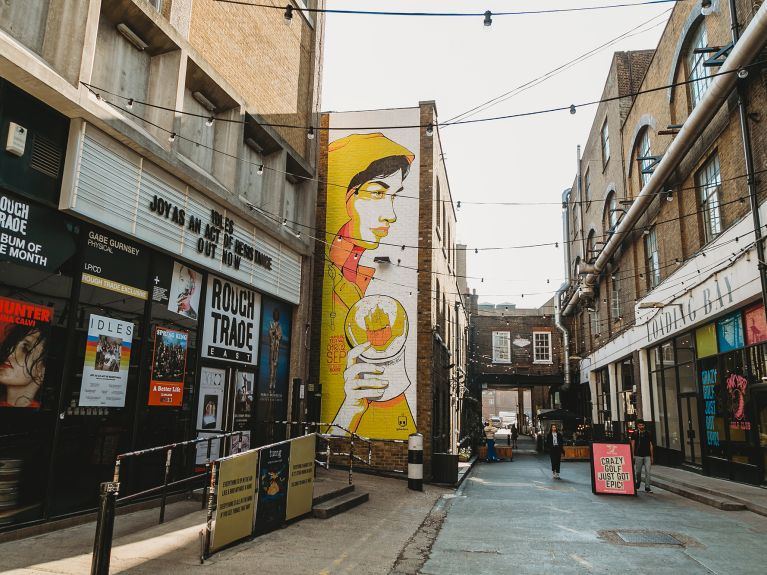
[{"x": 374, "y": 62}]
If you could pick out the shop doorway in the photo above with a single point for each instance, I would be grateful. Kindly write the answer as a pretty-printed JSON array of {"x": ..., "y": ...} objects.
[{"x": 688, "y": 404}]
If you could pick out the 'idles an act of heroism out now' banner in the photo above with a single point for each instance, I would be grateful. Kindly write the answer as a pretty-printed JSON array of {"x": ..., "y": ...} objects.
[
  {"x": 231, "y": 325},
  {"x": 107, "y": 359}
]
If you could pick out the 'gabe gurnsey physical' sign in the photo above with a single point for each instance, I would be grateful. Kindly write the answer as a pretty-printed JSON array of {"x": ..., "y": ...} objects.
[
  {"x": 612, "y": 469},
  {"x": 232, "y": 319}
]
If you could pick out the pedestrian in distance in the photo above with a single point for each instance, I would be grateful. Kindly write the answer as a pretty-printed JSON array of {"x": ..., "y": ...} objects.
[
  {"x": 508, "y": 436},
  {"x": 490, "y": 430},
  {"x": 555, "y": 445},
  {"x": 643, "y": 448},
  {"x": 514, "y": 434}
]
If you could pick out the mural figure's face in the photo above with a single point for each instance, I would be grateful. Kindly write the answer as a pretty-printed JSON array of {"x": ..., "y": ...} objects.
[{"x": 371, "y": 210}]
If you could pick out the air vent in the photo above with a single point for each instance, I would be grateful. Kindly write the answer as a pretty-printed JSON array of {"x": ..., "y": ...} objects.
[{"x": 46, "y": 156}]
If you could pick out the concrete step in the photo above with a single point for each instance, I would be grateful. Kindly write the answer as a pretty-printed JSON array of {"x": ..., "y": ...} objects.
[
  {"x": 719, "y": 501},
  {"x": 339, "y": 504},
  {"x": 331, "y": 494}
]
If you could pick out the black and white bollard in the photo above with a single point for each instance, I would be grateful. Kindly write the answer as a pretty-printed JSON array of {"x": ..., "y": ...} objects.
[{"x": 415, "y": 461}]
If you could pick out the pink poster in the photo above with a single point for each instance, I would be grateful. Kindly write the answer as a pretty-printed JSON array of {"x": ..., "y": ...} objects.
[
  {"x": 756, "y": 325},
  {"x": 612, "y": 469}
]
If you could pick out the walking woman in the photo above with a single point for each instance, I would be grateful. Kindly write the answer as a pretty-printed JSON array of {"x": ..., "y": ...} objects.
[{"x": 555, "y": 445}]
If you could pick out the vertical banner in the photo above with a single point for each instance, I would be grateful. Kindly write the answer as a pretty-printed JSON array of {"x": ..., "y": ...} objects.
[
  {"x": 24, "y": 339},
  {"x": 107, "y": 360},
  {"x": 274, "y": 363},
  {"x": 168, "y": 367},
  {"x": 612, "y": 469},
  {"x": 210, "y": 407},
  {"x": 231, "y": 323},
  {"x": 368, "y": 335},
  {"x": 272, "y": 486},
  {"x": 235, "y": 499},
  {"x": 301, "y": 476}
]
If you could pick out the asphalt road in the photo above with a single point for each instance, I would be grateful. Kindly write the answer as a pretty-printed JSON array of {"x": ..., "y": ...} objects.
[{"x": 513, "y": 518}]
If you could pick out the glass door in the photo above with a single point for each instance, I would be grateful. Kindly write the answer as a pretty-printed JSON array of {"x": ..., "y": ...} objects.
[{"x": 690, "y": 429}]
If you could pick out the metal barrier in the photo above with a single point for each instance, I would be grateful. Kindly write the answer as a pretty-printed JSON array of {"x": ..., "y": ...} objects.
[
  {"x": 108, "y": 496},
  {"x": 329, "y": 438}
]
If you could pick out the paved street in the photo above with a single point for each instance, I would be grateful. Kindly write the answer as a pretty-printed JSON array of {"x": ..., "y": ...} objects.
[{"x": 512, "y": 517}]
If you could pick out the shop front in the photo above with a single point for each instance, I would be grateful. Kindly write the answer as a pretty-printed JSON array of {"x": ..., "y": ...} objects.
[{"x": 139, "y": 313}]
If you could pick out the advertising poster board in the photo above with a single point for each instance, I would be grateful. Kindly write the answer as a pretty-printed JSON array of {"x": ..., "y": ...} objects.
[
  {"x": 235, "y": 499},
  {"x": 107, "y": 360},
  {"x": 115, "y": 264},
  {"x": 240, "y": 443},
  {"x": 272, "y": 486},
  {"x": 274, "y": 365},
  {"x": 176, "y": 286},
  {"x": 301, "y": 476},
  {"x": 201, "y": 454},
  {"x": 32, "y": 235},
  {"x": 210, "y": 407},
  {"x": 25, "y": 334},
  {"x": 612, "y": 469},
  {"x": 244, "y": 384},
  {"x": 166, "y": 385},
  {"x": 231, "y": 323}
]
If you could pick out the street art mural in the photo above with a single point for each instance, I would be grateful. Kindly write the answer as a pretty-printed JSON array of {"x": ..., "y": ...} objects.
[{"x": 368, "y": 364}]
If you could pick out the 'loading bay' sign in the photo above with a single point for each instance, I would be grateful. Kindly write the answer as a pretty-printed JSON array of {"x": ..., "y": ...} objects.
[
  {"x": 232, "y": 315},
  {"x": 612, "y": 469}
]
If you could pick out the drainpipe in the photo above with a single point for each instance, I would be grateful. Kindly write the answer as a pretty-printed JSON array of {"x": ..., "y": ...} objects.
[
  {"x": 745, "y": 133},
  {"x": 563, "y": 287},
  {"x": 743, "y": 53}
]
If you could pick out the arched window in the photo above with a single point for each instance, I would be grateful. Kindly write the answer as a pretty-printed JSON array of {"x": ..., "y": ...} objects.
[
  {"x": 612, "y": 212},
  {"x": 643, "y": 151},
  {"x": 697, "y": 73},
  {"x": 590, "y": 253}
]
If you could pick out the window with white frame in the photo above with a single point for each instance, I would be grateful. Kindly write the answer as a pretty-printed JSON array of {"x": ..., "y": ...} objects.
[
  {"x": 612, "y": 213},
  {"x": 605, "y": 144},
  {"x": 587, "y": 185},
  {"x": 615, "y": 295},
  {"x": 698, "y": 74},
  {"x": 653, "y": 259},
  {"x": 501, "y": 347},
  {"x": 643, "y": 151},
  {"x": 709, "y": 182},
  {"x": 542, "y": 347}
]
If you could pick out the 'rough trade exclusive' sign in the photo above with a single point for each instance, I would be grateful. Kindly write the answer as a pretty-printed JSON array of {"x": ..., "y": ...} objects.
[{"x": 612, "y": 469}]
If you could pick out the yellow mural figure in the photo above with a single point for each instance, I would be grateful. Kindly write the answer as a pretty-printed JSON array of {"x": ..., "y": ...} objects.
[{"x": 362, "y": 370}]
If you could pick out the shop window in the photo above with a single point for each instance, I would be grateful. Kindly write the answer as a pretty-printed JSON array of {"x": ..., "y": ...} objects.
[
  {"x": 755, "y": 325},
  {"x": 34, "y": 316},
  {"x": 713, "y": 408},
  {"x": 729, "y": 332},
  {"x": 671, "y": 408},
  {"x": 698, "y": 74},
  {"x": 705, "y": 340},
  {"x": 709, "y": 183},
  {"x": 735, "y": 388}
]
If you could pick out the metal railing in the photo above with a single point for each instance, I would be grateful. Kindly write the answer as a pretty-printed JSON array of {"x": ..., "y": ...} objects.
[{"x": 109, "y": 491}]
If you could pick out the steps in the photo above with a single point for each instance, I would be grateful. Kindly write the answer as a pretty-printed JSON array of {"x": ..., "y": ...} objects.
[
  {"x": 333, "y": 494},
  {"x": 701, "y": 495},
  {"x": 339, "y": 504}
]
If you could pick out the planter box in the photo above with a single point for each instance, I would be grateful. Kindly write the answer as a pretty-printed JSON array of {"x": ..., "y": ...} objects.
[
  {"x": 503, "y": 451},
  {"x": 577, "y": 452}
]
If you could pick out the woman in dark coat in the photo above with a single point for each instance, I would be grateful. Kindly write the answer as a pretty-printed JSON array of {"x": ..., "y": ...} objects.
[{"x": 555, "y": 445}]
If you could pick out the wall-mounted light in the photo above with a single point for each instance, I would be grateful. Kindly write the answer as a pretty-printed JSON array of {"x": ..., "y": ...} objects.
[
  {"x": 430, "y": 129},
  {"x": 172, "y": 137},
  {"x": 260, "y": 170},
  {"x": 132, "y": 37},
  {"x": 203, "y": 100}
]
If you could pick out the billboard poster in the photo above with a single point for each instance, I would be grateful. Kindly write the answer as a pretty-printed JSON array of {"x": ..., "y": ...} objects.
[
  {"x": 301, "y": 476},
  {"x": 107, "y": 360},
  {"x": 166, "y": 385},
  {"x": 612, "y": 469},
  {"x": 210, "y": 406},
  {"x": 235, "y": 499},
  {"x": 177, "y": 286},
  {"x": 115, "y": 264},
  {"x": 240, "y": 442},
  {"x": 25, "y": 330},
  {"x": 369, "y": 328},
  {"x": 274, "y": 362},
  {"x": 729, "y": 330},
  {"x": 243, "y": 394},
  {"x": 756, "y": 325},
  {"x": 32, "y": 235},
  {"x": 231, "y": 323},
  {"x": 272, "y": 486},
  {"x": 201, "y": 449}
]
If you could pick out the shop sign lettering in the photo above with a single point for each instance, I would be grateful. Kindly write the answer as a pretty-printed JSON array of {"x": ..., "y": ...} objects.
[
  {"x": 714, "y": 298},
  {"x": 216, "y": 237},
  {"x": 233, "y": 313}
]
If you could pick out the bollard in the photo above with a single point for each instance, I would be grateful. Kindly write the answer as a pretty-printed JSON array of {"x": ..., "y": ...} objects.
[
  {"x": 415, "y": 461},
  {"x": 102, "y": 544}
]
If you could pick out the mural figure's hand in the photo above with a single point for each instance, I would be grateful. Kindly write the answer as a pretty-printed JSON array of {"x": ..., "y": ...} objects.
[{"x": 363, "y": 382}]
